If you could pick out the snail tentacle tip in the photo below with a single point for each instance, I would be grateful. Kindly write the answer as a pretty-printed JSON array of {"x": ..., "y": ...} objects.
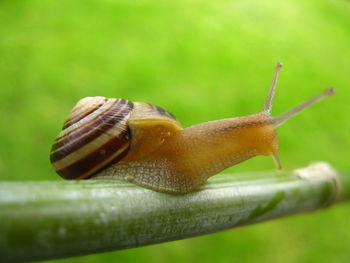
[
  {"x": 279, "y": 65},
  {"x": 330, "y": 91}
]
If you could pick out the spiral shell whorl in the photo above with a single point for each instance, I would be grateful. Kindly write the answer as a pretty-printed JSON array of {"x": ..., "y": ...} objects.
[
  {"x": 94, "y": 136},
  {"x": 83, "y": 108}
]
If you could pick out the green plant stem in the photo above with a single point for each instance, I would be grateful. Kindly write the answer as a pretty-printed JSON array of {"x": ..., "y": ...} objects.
[{"x": 45, "y": 220}]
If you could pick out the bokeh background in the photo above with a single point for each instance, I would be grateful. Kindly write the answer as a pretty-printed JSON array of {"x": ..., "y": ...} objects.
[{"x": 202, "y": 60}]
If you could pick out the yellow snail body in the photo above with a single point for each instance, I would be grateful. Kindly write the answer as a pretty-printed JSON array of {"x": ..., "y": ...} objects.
[{"x": 144, "y": 144}]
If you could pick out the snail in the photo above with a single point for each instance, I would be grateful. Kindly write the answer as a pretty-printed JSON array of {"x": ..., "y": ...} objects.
[{"x": 145, "y": 144}]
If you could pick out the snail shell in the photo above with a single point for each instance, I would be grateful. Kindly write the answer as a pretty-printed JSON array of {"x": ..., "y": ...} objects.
[{"x": 97, "y": 134}]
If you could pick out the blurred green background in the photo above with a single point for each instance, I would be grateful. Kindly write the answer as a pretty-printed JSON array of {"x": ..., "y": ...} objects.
[{"x": 202, "y": 60}]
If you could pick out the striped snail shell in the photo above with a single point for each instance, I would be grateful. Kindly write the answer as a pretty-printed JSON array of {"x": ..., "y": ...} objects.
[{"x": 97, "y": 133}]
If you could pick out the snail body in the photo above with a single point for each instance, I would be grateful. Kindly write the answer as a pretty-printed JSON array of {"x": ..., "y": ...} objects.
[{"x": 144, "y": 144}]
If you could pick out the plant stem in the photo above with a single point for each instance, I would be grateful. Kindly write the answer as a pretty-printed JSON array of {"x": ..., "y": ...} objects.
[{"x": 46, "y": 220}]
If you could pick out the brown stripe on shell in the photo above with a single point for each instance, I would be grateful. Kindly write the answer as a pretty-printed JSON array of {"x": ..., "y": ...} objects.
[
  {"x": 91, "y": 164},
  {"x": 76, "y": 117},
  {"x": 86, "y": 127},
  {"x": 164, "y": 112},
  {"x": 90, "y": 121},
  {"x": 161, "y": 111},
  {"x": 114, "y": 116},
  {"x": 114, "y": 160}
]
